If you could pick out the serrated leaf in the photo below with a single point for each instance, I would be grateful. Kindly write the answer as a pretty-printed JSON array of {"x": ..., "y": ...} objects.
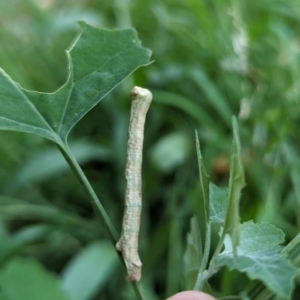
[
  {"x": 292, "y": 252},
  {"x": 26, "y": 279},
  {"x": 98, "y": 61},
  {"x": 259, "y": 255},
  {"x": 236, "y": 184},
  {"x": 217, "y": 203},
  {"x": 193, "y": 254},
  {"x": 89, "y": 270}
]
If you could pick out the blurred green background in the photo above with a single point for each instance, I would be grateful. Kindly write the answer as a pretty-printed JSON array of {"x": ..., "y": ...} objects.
[{"x": 212, "y": 60}]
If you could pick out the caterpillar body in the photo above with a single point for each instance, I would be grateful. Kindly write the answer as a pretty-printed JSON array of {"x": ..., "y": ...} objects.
[{"x": 128, "y": 242}]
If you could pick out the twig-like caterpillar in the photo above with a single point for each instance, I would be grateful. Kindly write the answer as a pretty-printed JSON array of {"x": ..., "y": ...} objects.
[{"x": 128, "y": 243}]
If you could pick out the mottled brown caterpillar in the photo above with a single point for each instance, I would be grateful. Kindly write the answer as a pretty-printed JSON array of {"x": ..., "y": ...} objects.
[{"x": 128, "y": 243}]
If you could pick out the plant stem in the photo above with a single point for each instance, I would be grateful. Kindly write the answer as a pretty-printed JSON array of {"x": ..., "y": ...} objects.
[
  {"x": 204, "y": 182},
  {"x": 219, "y": 246},
  {"x": 98, "y": 208},
  {"x": 201, "y": 279},
  {"x": 204, "y": 275},
  {"x": 96, "y": 204}
]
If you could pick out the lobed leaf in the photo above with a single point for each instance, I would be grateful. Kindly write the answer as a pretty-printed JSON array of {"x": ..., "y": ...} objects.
[
  {"x": 98, "y": 61},
  {"x": 259, "y": 255}
]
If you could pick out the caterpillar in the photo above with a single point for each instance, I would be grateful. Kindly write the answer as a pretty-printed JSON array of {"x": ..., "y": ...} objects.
[{"x": 128, "y": 242}]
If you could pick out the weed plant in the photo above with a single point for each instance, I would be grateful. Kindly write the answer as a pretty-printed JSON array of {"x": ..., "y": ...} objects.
[{"x": 213, "y": 59}]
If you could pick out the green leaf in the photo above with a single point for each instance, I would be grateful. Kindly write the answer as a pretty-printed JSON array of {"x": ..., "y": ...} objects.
[
  {"x": 204, "y": 179},
  {"x": 292, "y": 252},
  {"x": 26, "y": 279},
  {"x": 193, "y": 254},
  {"x": 88, "y": 271},
  {"x": 236, "y": 184},
  {"x": 217, "y": 203},
  {"x": 98, "y": 61},
  {"x": 259, "y": 255}
]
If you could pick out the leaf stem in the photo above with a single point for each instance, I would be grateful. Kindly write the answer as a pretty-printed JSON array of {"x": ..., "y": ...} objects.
[
  {"x": 204, "y": 183},
  {"x": 98, "y": 208},
  {"x": 201, "y": 278},
  {"x": 94, "y": 201},
  {"x": 219, "y": 246},
  {"x": 204, "y": 275}
]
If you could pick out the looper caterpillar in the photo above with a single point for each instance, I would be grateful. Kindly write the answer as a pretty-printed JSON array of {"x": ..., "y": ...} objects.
[{"x": 128, "y": 243}]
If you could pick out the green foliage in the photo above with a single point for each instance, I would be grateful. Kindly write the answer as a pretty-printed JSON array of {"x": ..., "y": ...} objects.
[
  {"x": 81, "y": 278},
  {"x": 44, "y": 165},
  {"x": 93, "y": 74},
  {"x": 89, "y": 270},
  {"x": 260, "y": 257},
  {"x": 253, "y": 248},
  {"x": 213, "y": 59},
  {"x": 217, "y": 207},
  {"x": 235, "y": 186},
  {"x": 193, "y": 254},
  {"x": 26, "y": 278},
  {"x": 170, "y": 151},
  {"x": 204, "y": 181}
]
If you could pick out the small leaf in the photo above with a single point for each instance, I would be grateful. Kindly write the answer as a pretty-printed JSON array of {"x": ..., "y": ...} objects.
[
  {"x": 217, "y": 203},
  {"x": 193, "y": 254},
  {"x": 89, "y": 270},
  {"x": 236, "y": 184},
  {"x": 98, "y": 61},
  {"x": 259, "y": 255},
  {"x": 204, "y": 180},
  {"x": 26, "y": 279}
]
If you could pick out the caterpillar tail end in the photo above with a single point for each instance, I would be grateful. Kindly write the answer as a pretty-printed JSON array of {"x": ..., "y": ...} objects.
[{"x": 132, "y": 262}]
